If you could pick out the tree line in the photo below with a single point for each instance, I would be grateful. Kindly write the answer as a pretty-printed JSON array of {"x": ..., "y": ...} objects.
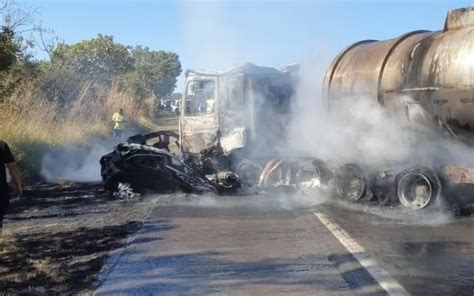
[{"x": 98, "y": 63}]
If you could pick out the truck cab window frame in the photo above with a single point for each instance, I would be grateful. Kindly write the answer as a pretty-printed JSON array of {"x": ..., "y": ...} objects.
[{"x": 200, "y": 97}]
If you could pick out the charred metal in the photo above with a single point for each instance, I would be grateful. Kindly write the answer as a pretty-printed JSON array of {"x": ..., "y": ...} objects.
[{"x": 233, "y": 124}]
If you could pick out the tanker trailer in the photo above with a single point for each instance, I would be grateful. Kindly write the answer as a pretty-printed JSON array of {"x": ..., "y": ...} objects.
[{"x": 421, "y": 77}]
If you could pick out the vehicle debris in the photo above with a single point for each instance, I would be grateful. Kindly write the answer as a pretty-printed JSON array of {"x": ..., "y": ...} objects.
[
  {"x": 221, "y": 135},
  {"x": 125, "y": 192},
  {"x": 148, "y": 169},
  {"x": 232, "y": 124}
]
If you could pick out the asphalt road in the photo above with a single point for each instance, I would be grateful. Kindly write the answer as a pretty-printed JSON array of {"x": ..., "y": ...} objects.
[
  {"x": 429, "y": 254},
  {"x": 271, "y": 245}
]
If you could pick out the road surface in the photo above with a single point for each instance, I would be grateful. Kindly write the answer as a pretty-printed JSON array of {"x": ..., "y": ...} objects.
[{"x": 291, "y": 245}]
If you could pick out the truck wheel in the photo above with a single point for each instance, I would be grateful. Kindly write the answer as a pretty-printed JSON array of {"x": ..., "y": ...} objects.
[
  {"x": 249, "y": 172},
  {"x": 312, "y": 174},
  {"x": 276, "y": 173},
  {"x": 324, "y": 172},
  {"x": 350, "y": 183},
  {"x": 421, "y": 187}
]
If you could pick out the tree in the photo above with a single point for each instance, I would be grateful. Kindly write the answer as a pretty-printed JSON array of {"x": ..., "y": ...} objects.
[
  {"x": 8, "y": 48},
  {"x": 99, "y": 59},
  {"x": 93, "y": 63},
  {"x": 155, "y": 73}
]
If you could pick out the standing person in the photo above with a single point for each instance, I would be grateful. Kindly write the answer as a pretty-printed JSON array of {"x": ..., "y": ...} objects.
[
  {"x": 119, "y": 119},
  {"x": 7, "y": 161}
]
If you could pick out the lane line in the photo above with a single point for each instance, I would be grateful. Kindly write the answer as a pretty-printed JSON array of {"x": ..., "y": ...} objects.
[{"x": 380, "y": 275}]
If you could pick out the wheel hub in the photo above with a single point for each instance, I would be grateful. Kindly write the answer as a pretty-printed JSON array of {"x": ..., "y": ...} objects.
[{"x": 415, "y": 191}]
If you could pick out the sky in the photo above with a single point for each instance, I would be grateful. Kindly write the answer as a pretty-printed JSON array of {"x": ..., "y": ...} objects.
[{"x": 220, "y": 34}]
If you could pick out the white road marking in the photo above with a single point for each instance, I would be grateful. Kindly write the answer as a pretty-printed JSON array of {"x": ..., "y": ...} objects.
[{"x": 388, "y": 283}]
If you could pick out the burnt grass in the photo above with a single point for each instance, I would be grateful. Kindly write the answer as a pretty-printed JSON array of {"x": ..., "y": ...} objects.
[{"x": 57, "y": 238}]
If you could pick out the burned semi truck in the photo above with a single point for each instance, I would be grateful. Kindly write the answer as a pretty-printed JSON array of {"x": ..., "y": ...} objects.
[
  {"x": 236, "y": 120},
  {"x": 423, "y": 78},
  {"x": 233, "y": 124}
]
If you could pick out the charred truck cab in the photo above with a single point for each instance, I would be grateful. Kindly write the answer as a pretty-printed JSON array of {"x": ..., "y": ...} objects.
[
  {"x": 231, "y": 124},
  {"x": 235, "y": 117}
]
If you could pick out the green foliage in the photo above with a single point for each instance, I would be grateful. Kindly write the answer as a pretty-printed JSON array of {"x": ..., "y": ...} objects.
[
  {"x": 8, "y": 48},
  {"x": 99, "y": 59},
  {"x": 15, "y": 64},
  {"x": 154, "y": 73},
  {"x": 20, "y": 71}
]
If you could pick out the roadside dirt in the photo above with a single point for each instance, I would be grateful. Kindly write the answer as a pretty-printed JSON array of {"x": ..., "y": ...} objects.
[{"x": 56, "y": 238}]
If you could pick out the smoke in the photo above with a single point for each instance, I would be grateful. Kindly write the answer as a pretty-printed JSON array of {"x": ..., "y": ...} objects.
[
  {"x": 359, "y": 130},
  {"x": 400, "y": 215},
  {"x": 209, "y": 41},
  {"x": 270, "y": 201},
  {"x": 76, "y": 164}
]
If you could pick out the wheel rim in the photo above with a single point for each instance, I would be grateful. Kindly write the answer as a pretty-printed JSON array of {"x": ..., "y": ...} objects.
[
  {"x": 279, "y": 176},
  {"x": 415, "y": 191},
  {"x": 351, "y": 184},
  {"x": 308, "y": 171},
  {"x": 352, "y": 189}
]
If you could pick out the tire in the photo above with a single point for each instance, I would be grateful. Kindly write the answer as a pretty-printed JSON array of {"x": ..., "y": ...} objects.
[
  {"x": 422, "y": 188},
  {"x": 351, "y": 184},
  {"x": 249, "y": 172},
  {"x": 325, "y": 173}
]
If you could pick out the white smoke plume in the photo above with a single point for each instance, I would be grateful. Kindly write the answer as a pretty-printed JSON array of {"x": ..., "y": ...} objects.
[
  {"x": 209, "y": 41},
  {"x": 75, "y": 164},
  {"x": 361, "y": 131}
]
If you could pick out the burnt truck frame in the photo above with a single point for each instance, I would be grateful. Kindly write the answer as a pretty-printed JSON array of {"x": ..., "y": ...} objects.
[
  {"x": 237, "y": 120},
  {"x": 238, "y": 117}
]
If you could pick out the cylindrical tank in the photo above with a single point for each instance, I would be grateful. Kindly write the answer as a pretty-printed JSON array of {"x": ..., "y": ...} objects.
[{"x": 419, "y": 75}]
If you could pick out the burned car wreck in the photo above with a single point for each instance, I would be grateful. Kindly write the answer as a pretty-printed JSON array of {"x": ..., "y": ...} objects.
[{"x": 146, "y": 167}]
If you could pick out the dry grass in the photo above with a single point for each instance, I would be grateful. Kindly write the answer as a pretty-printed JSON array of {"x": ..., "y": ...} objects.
[{"x": 33, "y": 124}]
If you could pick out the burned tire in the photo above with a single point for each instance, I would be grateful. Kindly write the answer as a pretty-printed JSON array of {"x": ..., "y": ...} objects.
[
  {"x": 421, "y": 188},
  {"x": 249, "y": 172},
  {"x": 350, "y": 183},
  {"x": 324, "y": 172}
]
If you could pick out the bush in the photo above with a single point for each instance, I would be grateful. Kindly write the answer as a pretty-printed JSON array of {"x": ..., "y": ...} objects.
[{"x": 34, "y": 125}]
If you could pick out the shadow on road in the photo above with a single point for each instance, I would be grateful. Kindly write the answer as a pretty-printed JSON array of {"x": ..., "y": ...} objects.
[{"x": 205, "y": 273}]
